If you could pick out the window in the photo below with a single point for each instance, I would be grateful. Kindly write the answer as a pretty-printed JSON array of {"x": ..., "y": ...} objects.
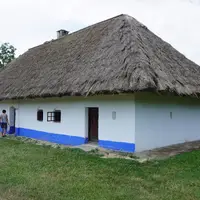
[
  {"x": 54, "y": 116},
  {"x": 40, "y": 115}
]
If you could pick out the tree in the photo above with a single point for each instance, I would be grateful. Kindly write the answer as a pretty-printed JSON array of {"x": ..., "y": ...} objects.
[{"x": 7, "y": 54}]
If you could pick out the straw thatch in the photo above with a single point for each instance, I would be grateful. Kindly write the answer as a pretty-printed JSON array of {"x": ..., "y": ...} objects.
[{"x": 119, "y": 55}]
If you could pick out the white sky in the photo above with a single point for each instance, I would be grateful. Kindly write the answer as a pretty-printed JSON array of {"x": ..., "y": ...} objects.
[{"x": 27, "y": 23}]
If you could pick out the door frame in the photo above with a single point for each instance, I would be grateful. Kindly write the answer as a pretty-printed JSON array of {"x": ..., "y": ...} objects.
[
  {"x": 12, "y": 113},
  {"x": 89, "y": 125}
]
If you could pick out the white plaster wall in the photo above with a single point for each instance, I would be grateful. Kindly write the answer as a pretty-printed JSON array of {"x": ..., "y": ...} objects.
[
  {"x": 6, "y": 105},
  {"x": 122, "y": 129},
  {"x": 154, "y": 126},
  {"x": 74, "y": 116},
  {"x": 69, "y": 125}
]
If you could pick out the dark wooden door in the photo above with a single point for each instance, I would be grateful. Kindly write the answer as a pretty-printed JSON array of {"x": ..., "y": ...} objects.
[{"x": 93, "y": 123}]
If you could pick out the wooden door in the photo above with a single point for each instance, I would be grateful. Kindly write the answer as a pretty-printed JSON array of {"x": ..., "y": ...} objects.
[{"x": 93, "y": 123}]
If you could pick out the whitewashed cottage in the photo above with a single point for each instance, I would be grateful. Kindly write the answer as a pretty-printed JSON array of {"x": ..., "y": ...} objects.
[{"x": 114, "y": 83}]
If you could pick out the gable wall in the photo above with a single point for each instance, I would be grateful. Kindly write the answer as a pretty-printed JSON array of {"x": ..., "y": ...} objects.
[{"x": 156, "y": 127}]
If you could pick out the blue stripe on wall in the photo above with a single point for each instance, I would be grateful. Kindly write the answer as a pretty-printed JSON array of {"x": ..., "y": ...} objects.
[
  {"x": 119, "y": 146},
  {"x": 51, "y": 137},
  {"x": 72, "y": 140}
]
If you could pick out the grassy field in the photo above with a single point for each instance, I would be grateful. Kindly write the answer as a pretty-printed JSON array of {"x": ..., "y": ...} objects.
[{"x": 28, "y": 171}]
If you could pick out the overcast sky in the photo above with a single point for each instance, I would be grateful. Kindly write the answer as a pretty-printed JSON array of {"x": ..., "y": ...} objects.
[{"x": 27, "y": 23}]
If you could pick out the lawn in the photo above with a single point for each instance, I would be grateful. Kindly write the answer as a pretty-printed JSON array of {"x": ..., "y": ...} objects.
[{"x": 29, "y": 171}]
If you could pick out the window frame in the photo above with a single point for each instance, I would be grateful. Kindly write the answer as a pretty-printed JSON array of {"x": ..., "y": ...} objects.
[{"x": 51, "y": 115}]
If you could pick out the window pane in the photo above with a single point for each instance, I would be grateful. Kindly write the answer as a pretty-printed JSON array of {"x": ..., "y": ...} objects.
[{"x": 49, "y": 116}]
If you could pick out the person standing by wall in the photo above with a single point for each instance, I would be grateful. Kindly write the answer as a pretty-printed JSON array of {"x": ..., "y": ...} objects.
[{"x": 4, "y": 122}]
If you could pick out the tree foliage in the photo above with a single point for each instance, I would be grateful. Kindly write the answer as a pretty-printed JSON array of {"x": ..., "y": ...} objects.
[{"x": 7, "y": 54}]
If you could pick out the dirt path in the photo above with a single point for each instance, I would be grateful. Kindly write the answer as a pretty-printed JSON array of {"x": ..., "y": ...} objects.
[{"x": 160, "y": 153}]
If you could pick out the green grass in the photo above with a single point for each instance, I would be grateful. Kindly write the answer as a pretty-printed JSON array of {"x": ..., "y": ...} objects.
[{"x": 28, "y": 171}]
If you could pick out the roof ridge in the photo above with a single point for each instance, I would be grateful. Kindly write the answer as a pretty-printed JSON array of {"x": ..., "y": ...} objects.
[
  {"x": 93, "y": 24},
  {"x": 82, "y": 29}
]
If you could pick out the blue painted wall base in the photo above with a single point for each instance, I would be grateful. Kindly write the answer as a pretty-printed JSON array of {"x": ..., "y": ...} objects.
[
  {"x": 51, "y": 137},
  {"x": 72, "y": 140},
  {"x": 118, "y": 146}
]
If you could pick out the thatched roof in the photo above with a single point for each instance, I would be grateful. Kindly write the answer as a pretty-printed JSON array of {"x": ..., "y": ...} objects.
[{"x": 119, "y": 55}]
